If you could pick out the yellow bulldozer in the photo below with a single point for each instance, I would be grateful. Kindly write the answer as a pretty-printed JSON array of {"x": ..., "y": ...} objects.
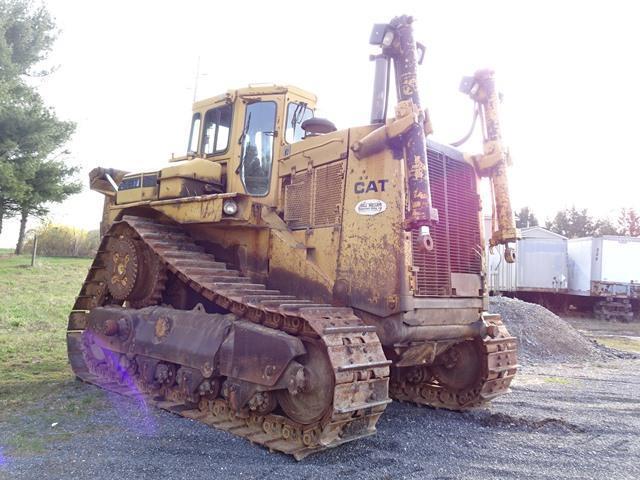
[{"x": 285, "y": 280}]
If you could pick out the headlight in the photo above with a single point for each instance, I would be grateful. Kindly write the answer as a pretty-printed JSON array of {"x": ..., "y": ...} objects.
[
  {"x": 387, "y": 40},
  {"x": 230, "y": 207}
]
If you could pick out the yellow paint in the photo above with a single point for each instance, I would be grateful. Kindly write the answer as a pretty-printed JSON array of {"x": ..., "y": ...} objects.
[{"x": 364, "y": 258}]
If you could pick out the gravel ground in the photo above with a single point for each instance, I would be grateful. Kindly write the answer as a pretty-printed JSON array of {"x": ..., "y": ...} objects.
[
  {"x": 559, "y": 422},
  {"x": 544, "y": 337},
  {"x": 574, "y": 412}
]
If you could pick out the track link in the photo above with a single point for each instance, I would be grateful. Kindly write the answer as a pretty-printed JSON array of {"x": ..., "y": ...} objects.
[{"x": 360, "y": 367}]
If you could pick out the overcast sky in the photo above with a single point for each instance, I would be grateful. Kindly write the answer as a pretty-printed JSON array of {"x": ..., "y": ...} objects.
[{"x": 569, "y": 73}]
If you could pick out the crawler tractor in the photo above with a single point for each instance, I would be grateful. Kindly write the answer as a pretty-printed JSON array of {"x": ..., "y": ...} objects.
[{"x": 285, "y": 280}]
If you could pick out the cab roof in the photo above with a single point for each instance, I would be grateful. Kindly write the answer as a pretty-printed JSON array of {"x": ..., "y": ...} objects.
[{"x": 256, "y": 89}]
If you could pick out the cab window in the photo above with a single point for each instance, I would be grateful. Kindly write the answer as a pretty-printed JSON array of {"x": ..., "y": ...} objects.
[
  {"x": 217, "y": 125},
  {"x": 257, "y": 147},
  {"x": 195, "y": 133},
  {"x": 150, "y": 180},
  {"x": 129, "y": 183},
  {"x": 296, "y": 114}
]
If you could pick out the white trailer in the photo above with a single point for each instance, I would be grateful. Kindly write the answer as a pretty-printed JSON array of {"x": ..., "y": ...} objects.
[
  {"x": 540, "y": 271},
  {"x": 604, "y": 265},
  {"x": 599, "y": 273},
  {"x": 606, "y": 270}
]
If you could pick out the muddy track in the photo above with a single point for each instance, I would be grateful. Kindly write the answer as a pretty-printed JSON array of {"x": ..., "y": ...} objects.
[
  {"x": 498, "y": 361},
  {"x": 360, "y": 368},
  {"x": 354, "y": 350}
]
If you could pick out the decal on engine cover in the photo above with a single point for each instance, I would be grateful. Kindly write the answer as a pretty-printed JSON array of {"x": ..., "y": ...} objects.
[
  {"x": 371, "y": 186},
  {"x": 370, "y": 207}
]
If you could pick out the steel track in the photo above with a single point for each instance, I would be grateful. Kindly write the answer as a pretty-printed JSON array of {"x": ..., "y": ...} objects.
[
  {"x": 360, "y": 367},
  {"x": 498, "y": 358}
]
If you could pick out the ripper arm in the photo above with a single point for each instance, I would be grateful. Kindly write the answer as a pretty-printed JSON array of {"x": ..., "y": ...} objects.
[{"x": 493, "y": 162}]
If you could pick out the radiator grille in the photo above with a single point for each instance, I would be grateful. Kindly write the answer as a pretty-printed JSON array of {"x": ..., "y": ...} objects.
[
  {"x": 313, "y": 198},
  {"x": 327, "y": 197},
  {"x": 297, "y": 201},
  {"x": 456, "y": 236}
]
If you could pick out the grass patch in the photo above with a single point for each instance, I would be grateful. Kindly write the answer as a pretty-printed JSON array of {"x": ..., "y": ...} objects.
[
  {"x": 557, "y": 380},
  {"x": 37, "y": 387},
  {"x": 620, "y": 343},
  {"x": 28, "y": 442},
  {"x": 34, "y": 305}
]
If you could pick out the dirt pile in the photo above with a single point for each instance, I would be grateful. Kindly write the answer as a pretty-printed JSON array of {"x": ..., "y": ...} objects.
[{"x": 543, "y": 337}]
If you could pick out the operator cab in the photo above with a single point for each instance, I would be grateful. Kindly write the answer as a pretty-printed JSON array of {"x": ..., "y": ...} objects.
[
  {"x": 245, "y": 131},
  {"x": 234, "y": 143}
]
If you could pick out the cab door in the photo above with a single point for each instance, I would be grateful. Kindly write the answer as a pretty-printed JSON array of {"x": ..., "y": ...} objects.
[{"x": 259, "y": 144}]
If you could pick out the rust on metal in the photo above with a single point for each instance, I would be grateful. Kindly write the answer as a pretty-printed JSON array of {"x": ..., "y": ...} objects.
[
  {"x": 357, "y": 400},
  {"x": 403, "y": 51},
  {"x": 494, "y": 160},
  {"x": 275, "y": 280}
]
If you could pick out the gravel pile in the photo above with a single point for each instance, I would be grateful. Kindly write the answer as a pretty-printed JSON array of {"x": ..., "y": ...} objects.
[{"x": 544, "y": 337}]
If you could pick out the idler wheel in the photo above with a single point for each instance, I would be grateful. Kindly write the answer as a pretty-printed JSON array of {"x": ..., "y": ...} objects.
[
  {"x": 310, "y": 404},
  {"x": 460, "y": 367}
]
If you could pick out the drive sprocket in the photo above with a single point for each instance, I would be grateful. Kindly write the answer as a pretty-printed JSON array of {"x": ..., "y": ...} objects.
[{"x": 135, "y": 273}]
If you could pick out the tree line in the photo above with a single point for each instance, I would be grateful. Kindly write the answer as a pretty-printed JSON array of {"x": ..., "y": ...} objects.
[
  {"x": 62, "y": 241},
  {"x": 574, "y": 223},
  {"x": 33, "y": 172}
]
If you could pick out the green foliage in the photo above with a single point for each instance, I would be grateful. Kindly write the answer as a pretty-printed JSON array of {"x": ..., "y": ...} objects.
[
  {"x": 572, "y": 223},
  {"x": 63, "y": 241},
  {"x": 629, "y": 222},
  {"x": 28, "y": 128},
  {"x": 48, "y": 181},
  {"x": 30, "y": 132},
  {"x": 26, "y": 37},
  {"x": 605, "y": 227},
  {"x": 525, "y": 218}
]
